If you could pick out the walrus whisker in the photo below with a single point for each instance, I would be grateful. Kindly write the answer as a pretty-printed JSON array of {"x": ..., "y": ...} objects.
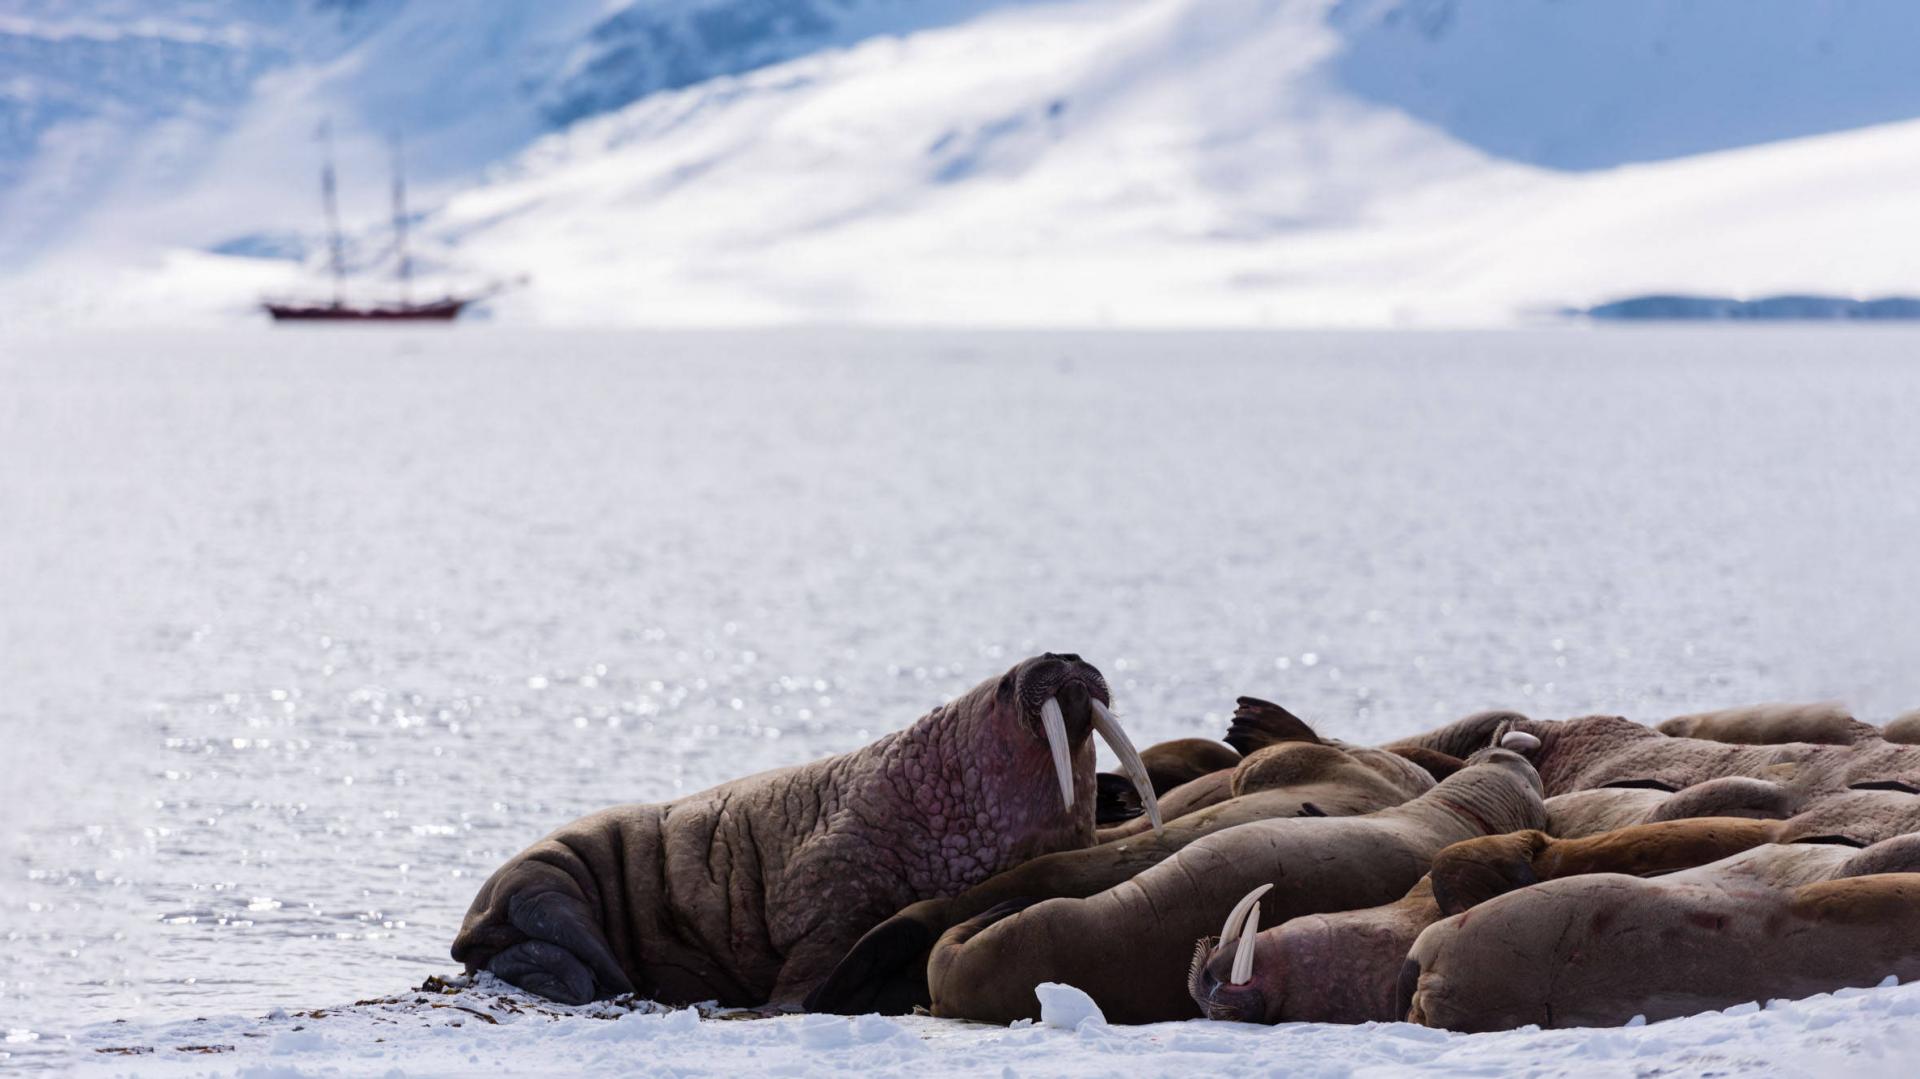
[
  {"x": 1110, "y": 732},
  {"x": 1239, "y": 911},
  {"x": 1054, "y": 722},
  {"x": 1243, "y": 959}
]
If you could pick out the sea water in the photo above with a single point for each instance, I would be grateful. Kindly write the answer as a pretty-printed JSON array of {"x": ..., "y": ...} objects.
[{"x": 303, "y": 632}]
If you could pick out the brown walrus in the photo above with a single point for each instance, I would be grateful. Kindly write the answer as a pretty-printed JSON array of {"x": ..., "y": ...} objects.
[
  {"x": 1904, "y": 728},
  {"x": 1608, "y": 751},
  {"x": 1344, "y": 967},
  {"x": 1598, "y": 950},
  {"x": 1827, "y": 723},
  {"x": 886, "y": 970},
  {"x": 1128, "y": 947},
  {"x": 748, "y": 893}
]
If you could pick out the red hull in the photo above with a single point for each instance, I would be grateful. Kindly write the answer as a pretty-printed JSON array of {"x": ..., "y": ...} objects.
[{"x": 437, "y": 311}]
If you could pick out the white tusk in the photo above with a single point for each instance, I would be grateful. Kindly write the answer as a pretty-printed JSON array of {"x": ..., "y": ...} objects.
[
  {"x": 1243, "y": 959},
  {"x": 1054, "y": 722},
  {"x": 1122, "y": 746},
  {"x": 1239, "y": 911},
  {"x": 1519, "y": 742}
]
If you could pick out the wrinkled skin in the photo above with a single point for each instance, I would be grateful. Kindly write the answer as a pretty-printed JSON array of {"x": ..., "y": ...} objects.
[
  {"x": 1345, "y": 967},
  {"x": 886, "y": 971},
  {"x": 1128, "y": 947},
  {"x": 1827, "y": 723},
  {"x": 748, "y": 893},
  {"x": 1597, "y": 950}
]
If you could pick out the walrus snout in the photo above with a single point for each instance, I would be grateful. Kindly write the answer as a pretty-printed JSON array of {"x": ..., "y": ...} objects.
[
  {"x": 1064, "y": 696},
  {"x": 1219, "y": 999}
]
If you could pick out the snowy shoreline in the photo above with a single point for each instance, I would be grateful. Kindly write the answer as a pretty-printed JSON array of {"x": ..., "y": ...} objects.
[{"x": 451, "y": 1031}]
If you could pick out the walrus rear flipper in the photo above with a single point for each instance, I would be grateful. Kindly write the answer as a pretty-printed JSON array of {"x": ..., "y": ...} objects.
[
  {"x": 884, "y": 972},
  {"x": 1258, "y": 724}
]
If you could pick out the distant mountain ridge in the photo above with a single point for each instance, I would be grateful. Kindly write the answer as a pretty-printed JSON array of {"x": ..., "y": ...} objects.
[{"x": 1025, "y": 161}]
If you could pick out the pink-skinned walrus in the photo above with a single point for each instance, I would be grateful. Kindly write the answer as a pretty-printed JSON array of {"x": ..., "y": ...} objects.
[{"x": 748, "y": 893}]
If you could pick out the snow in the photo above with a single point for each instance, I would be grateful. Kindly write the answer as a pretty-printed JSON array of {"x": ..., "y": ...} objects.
[
  {"x": 445, "y": 1031},
  {"x": 1067, "y": 1008},
  {"x": 1146, "y": 163}
]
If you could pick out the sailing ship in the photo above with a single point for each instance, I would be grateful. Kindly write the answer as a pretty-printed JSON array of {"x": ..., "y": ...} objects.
[{"x": 404, "y": 309}]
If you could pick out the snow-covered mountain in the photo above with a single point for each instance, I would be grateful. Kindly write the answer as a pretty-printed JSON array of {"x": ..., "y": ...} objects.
[{"x": 966, "y": 161}]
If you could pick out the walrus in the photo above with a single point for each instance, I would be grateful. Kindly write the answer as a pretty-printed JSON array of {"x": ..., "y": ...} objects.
[
  {"x": 749, "y": 892},
  {"x": 1256, "y": 725},
  {"x": 1610, "y": 751},
  {"x": 1128, "y": 947},
  {"x": 1598, "y": 950},
  {"x": 1827, "y": 723},
  {"x": 886, "y": 970},
  {"x": 1903, "y": 728},
  {"x": 1344, "y": 966}
]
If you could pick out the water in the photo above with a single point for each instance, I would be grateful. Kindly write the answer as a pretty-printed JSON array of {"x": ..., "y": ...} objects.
[{"x": 304, "y": 632}]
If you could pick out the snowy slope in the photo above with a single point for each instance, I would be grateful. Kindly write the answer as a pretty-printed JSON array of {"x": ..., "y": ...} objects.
[{"x": 1132, "y": 162}]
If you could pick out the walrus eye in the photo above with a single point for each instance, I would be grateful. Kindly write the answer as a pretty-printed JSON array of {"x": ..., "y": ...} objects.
[{"x": 1885, "y": 785}]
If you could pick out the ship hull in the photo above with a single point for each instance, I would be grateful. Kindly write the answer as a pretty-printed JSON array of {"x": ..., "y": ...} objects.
[{"x": 437, "y": 311}]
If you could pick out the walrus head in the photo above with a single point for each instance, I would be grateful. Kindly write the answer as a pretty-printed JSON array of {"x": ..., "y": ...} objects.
[
  {"x": 1223, "y": 979},
  {"x": 1061, "y": 699}
]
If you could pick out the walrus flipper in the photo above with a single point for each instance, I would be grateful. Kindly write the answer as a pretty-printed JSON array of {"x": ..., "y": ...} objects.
[
  {"x": 885, "y": 972},
  {"x": 1258, "y": 724},
  {"x": 565, "y": 958}
]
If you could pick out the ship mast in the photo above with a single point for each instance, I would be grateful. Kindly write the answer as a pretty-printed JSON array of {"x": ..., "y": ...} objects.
[
  {"x": 336, "y": 246},
  {"x": 405, "y": 267}
]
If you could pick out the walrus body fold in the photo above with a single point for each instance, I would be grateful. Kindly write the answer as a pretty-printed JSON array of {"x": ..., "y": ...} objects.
[
  {"x": 751, "y": 891},
  {"x": 1775, "y": 921},
  {"x": 1128, "y": 946},
  {"x": 886, "y": 970}
]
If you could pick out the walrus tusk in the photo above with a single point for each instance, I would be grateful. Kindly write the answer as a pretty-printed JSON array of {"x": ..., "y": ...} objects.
[
  {"x": 1054, "y": 722},
  {"x": 1519, "y": 742},
  {"x": 1243, "y": 959},
  {"x": 1122, "y": 746},
  {"x": 1239, "y": 911}
]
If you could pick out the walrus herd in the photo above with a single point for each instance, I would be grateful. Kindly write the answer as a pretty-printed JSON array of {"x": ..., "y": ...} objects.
[{"x": 1497, "y": 872}]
